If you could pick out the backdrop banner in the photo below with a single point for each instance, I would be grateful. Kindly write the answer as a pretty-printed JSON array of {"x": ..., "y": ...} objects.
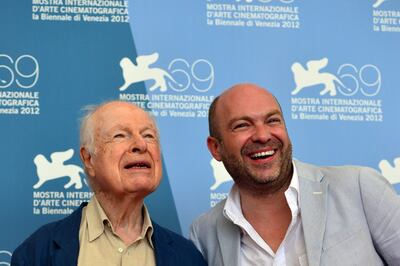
[{"x": 332, "y": 65}]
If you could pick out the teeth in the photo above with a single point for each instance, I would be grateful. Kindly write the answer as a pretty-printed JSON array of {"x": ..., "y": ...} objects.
[
  {"x": 139, "y": 165},
  {"x": 263, "y": 154}
]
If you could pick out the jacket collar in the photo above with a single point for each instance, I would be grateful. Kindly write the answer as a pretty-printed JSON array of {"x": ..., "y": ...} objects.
[
  {"x": 229, "y": 240},
  {"x": 313, "y": 203},
  {"x": 313, "y": 200},
  {"x": 163, "y": 246},
  {"x": 66, "y": 239}
]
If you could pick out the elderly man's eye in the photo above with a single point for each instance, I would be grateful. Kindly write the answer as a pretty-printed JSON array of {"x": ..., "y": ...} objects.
[
  {"x": 119, "y": 135},
  {"x": 149, "y": 136}
]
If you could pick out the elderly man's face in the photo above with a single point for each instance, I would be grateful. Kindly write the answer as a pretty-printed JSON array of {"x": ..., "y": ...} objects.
[
  {"x": 126, "y": 158},
  {"x": 254, "y": 145}
]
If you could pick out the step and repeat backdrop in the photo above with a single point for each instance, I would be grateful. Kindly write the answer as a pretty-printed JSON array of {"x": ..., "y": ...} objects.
[{"x": 333, "y": 66}]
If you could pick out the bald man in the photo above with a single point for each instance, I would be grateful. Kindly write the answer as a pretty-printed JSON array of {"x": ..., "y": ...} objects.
[
  {"x": 120, "y": 150},
  {"x": 284, "y": 212}
]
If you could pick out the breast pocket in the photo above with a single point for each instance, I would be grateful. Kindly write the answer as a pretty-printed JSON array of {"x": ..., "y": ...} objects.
[{"x": 350, "y": 248}]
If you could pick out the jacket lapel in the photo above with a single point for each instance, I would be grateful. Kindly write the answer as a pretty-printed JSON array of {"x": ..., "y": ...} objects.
[
  {"x": 313, "y": 202},
  {"x": 164, "y": 253},
  {"x": 229, "y": 241},
  {"x": 66, "y": 239}
]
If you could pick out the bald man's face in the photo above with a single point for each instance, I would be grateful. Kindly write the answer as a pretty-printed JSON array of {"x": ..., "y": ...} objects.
[
  {"x": 254, "y": 145},
  {"x": 127, "y": 153}
]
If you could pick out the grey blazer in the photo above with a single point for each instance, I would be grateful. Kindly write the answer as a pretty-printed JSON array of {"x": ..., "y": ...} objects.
[{"x": 350, "y": 216}]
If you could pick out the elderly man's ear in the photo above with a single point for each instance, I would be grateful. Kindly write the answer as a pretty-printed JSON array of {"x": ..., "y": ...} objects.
[
  {"x": 86, "y": 158},
  {"x": 214, "y": 147}
]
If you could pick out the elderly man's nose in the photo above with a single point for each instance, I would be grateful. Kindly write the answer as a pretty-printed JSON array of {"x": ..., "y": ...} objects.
[{"x": 138, "y": 144}]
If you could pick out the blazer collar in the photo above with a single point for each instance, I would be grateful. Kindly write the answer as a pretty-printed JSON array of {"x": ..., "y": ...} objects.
[
  {"x": 229, "y": 240},
  {"x": 66, "y": 239},
  {"x": 163, "y": 246},
  {"x": 313, "y": 203},
  {"x": 313, "y": 199}
]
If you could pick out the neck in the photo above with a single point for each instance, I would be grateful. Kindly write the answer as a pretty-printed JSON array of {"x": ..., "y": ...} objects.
[
  {"x": 125, "y": 215},
  {"x": 269, "y": 215},
  {"x": 262, "y": 205}
]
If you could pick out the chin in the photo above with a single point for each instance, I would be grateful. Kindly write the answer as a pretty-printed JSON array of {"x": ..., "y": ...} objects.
[
  {"x": 145, "y": 185},
  {"x": 264, "y": 180},
  {"x": 266, "y": 176}
]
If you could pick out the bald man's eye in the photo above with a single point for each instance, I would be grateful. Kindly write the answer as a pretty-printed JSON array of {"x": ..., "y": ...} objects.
[
  {"x": 274, "y": 120},
  {"x": 240, "y": 126}
]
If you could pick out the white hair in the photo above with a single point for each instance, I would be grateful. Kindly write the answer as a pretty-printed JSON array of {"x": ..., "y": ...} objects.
[
  {"x": 86, "y": 133},
  {"x": 87, "y": 128}
]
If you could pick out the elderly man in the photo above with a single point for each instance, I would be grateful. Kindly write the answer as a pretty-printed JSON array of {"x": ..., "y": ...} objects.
[
  {"x": 285, "y": 212},
  {"x": 120, "y": 150}
]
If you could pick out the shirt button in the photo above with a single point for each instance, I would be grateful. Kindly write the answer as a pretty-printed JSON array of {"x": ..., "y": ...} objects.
[{"x": 120, "y": 250}]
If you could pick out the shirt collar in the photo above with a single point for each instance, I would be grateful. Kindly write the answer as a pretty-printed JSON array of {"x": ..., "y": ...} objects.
[
  {"x": 294, "y": 183},
  {"x": 233, "y": 209},
  {"x": 147, "y": 228},
  {"x": 97, "y": 219}
]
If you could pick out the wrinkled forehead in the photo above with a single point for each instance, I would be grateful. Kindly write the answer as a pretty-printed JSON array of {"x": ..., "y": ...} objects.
[{"x": 121, "y": 115}]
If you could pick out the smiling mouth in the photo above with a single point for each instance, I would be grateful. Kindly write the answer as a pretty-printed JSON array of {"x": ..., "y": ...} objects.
[
  {"x": 262, "y": 155},
  {"x": 137, "y": 165}
]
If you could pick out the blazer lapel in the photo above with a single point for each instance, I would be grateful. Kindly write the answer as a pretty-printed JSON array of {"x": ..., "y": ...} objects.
[
  {"x": 229, "y": 241},
  {"x": 313, "y": 202},
  {"x": 163, "y": 250},
  {"x": 66, "y": 239}
]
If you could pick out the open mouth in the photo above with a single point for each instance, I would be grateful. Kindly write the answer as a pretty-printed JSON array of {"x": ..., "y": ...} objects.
[
  {"x": 262, "y": 155},
  {"x": 137, "y": 165}
]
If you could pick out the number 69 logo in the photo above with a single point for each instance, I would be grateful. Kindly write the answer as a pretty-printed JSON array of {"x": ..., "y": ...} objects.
[
  {"x": 367, "y": 79},
  {"x": 199, "y": 75},
  {"x": 24, "y": 71}
]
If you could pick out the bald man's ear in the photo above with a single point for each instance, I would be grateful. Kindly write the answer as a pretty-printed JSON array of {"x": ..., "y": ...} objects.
[
  {"x": 86, "y": 158},
  {"x": 214, "y": 147}
]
